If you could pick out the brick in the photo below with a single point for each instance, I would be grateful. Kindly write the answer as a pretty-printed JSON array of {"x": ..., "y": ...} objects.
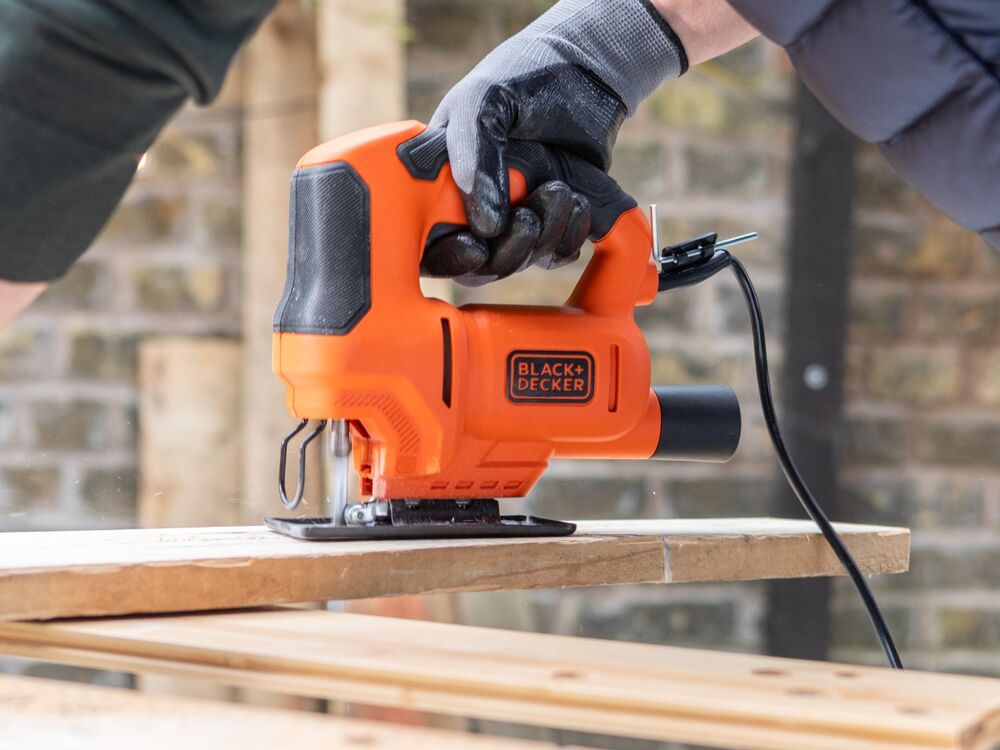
[
  {"x": 103, "y": 356},
  {"x": 904, "y": 501},
  {"x": 223, "y": 220},
  {"x": 856, "y": 366},
  {"x": 591, "y": 498},
  {"x": 8, "y": 424},
  {"x": 73, "y": 424},
  {"x": 84, "y": 287},
  {"x": 986, "y": 385},
  {"x": 110, "y": 492},
  {"x": 531, "y": 287},
  {"x": 720, "y": 173},
  {"x": 962, "y": 567},
  {"x": 713, "y": 497},
  {"x": 667, "y": 311},
  {"x": 679, "y": 624},
  {"x": 688, "y": 103},
  {"x": 25, "y": 352},
  {"x": 874, "y": 441},
  {"x": 878, "y": 185},
  {"x": 687, "y": 367},
  {"x": 962, "y": 443},
  {"x": 735, "y": 317},
  {"x": 970, "y": 628},
  {"x": 179, "y": 153},
  {"x": 643, "y": 167},
  {"x": 877, "y": 317},
  {"x": 952, "y": 316},
  {"x": 23, "y": 490},
  {"x": 933, "y": 254},
  {"x": 446, "y": 25},
  {"x": 918, "y": 377},
  {"x": 152, "y": 219},
  {"x": 851, "y": 628},
  {"x": 180, "y": 290}
]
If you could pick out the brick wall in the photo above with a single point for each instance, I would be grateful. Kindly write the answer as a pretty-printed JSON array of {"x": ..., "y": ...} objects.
[
  {"x": 168, "y": 262},
  {"x": 922, "y": 435}
]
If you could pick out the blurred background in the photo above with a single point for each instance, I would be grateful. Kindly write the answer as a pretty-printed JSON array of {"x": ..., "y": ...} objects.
[{"x": 138, "y": 390}]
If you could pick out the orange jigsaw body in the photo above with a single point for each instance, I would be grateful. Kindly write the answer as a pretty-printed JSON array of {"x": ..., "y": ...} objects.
[{"x": 472, "y": 401}]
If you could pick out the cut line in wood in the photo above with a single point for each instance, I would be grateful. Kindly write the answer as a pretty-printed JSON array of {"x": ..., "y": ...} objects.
[
  {"x": 656, "y": 692},
  {"x": 47, "y": 575}
]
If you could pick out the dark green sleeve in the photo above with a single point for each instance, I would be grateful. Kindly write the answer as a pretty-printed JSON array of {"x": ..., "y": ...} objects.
[{"x": 85, "y": 86}]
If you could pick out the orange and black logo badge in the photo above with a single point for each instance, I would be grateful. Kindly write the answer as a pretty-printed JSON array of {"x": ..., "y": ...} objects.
[{"x": 550, "y": 376}]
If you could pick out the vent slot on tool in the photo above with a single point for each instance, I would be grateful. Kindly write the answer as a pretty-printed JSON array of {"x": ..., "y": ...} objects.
[{"x": 446, "y": 363}]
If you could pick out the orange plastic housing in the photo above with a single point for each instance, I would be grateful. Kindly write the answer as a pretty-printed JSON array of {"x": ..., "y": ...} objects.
[{"x": 522, "y": 384}]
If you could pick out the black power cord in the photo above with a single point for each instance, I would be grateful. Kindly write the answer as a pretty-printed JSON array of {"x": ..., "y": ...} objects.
[{"x": 698, "y": 259}]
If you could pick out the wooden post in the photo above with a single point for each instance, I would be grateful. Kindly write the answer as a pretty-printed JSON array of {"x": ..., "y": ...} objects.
[
  {"x": 190, "y": 441},
  {"x": 190, "y": 451},
  {"x": 279, "y": 95},
  {"x": 817, "y": 277},
  {"x": 362, "y": 80}
]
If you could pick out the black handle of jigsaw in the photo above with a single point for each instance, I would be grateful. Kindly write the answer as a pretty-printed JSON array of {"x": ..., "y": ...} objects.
[{"x": 426, "y": 153}]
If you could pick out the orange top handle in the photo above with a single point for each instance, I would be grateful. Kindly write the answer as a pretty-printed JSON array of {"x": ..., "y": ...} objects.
[
  {"x": 365, "y": 205},
  {"x": 619, "y": 276}
]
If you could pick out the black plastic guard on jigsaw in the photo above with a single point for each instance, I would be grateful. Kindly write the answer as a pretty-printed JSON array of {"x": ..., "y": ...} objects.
[{"x": 323, "y": 529}]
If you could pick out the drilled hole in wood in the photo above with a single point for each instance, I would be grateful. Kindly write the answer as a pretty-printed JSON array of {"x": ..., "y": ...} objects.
[
  {"x": 804, "y": 692},
  {"x": 765, "y": 672},
  {"x": 847, "y": 675},
  {"x": 567, "y": 675},
  {"x": 913, "y": 711}
]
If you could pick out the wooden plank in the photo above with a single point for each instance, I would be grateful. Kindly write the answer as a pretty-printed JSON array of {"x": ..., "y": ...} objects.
[
  {"x": 62, "y": 716},
  {"x": 89, "y": 573},
  {"x": 627, "y": 689}
]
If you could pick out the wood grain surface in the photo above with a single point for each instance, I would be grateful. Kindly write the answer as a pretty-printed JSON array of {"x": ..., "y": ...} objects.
[
  {"x": 89, "y": 573},
  {"x": 656, "y": 692},
  {"x": 52, "y": 715}
]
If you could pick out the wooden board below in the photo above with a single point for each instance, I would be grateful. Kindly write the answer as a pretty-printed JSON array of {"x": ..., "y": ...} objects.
[
  {"x": 656, "y": 692},
  {"x": 53, "y": 715},
  {"x": 94, "y": 573}
]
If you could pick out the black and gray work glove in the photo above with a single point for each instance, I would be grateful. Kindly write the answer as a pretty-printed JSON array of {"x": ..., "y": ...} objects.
[{"x": 568, "y": 80}]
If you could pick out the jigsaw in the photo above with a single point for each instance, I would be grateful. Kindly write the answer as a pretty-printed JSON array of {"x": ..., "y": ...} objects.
[{"x": 447, "y": 409}]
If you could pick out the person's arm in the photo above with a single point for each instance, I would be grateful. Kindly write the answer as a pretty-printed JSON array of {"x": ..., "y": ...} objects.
[
  {"x": 85, "y": 87},
  {"x": 921, "y": 80},
  {"x": 14, "y": 298},
  {"x": 568, "y": 81},
  {"x": 707, "y": 28}
]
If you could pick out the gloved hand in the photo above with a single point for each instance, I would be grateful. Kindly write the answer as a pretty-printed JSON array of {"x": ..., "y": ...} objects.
[{"x": 568, "y": 80}]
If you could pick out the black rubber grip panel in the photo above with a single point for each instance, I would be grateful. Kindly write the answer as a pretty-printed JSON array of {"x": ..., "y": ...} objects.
[
  {"x": 328, "y": 283},
  {"x": 426, "y": 153}
]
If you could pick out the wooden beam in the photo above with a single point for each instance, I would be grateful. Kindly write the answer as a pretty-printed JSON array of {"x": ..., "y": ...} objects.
[
  {"x": 626, "y": 689},
  {"x": 62, "y": 716},
  {"x": 89, "y": 573}
]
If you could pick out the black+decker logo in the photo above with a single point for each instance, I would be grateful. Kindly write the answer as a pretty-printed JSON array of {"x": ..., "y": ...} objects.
[{"x": 550, "y": 376}]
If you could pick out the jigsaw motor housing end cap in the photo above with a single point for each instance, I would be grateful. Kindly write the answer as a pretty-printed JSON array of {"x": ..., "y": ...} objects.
[{"x": 697, "y": 423}]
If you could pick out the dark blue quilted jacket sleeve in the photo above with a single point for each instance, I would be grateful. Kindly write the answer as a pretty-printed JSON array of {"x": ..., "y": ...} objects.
[
  {"x": 85, "y": 86},
  {"x": 920, "y": 78}
]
